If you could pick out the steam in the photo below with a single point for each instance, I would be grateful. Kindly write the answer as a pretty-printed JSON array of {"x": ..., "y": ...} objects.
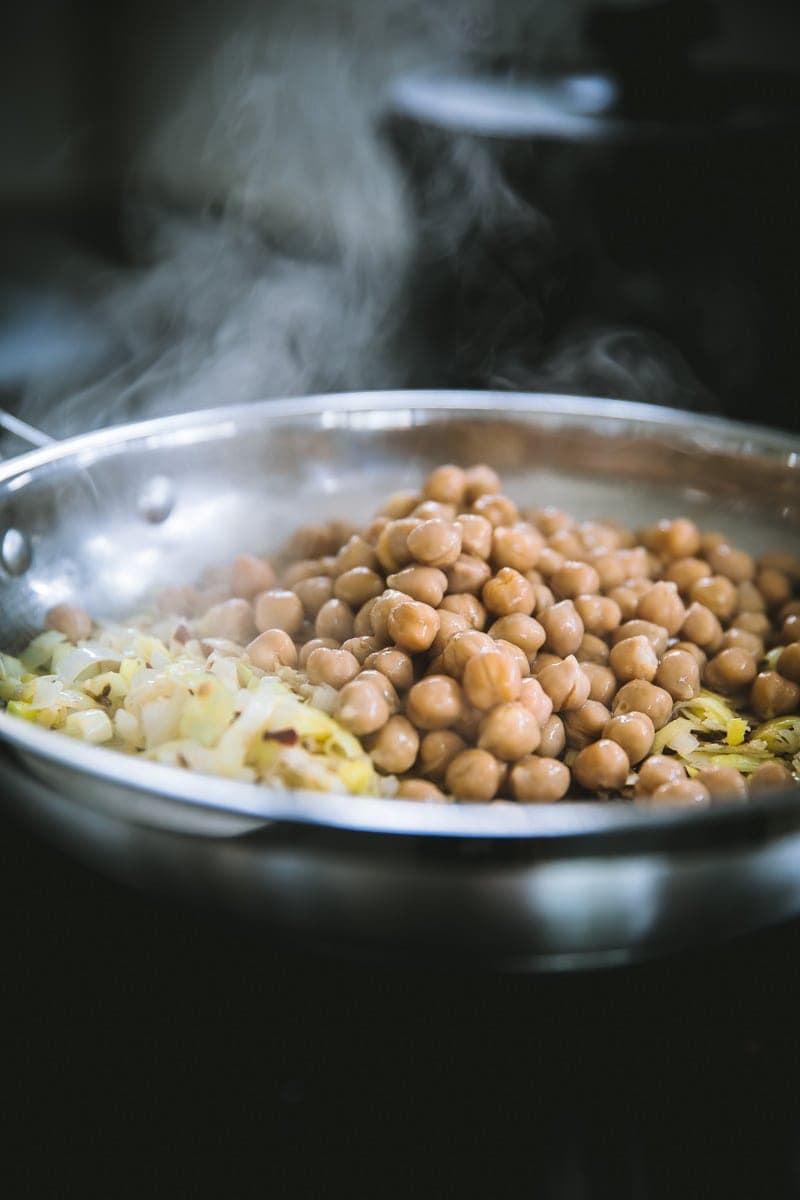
[{"x": 276, "y": 245}]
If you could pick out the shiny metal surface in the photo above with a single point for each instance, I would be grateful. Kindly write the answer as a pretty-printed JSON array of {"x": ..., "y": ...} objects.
[{"x": 522, "y": 885}]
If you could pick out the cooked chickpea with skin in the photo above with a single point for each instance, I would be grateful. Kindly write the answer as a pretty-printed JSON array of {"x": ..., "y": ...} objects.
[
  {"x": 426, "y": 584},
  {"x": 437, "y": 750},
  {"x": 773, "y": 696},
  {"x": 509, "y": 731},
  {"x": 633, "y": 731},
  {"x": 573, "y": 579},
  {"x": 553, "y": 737},
  {"x": 656, "y": 770},
  {"x": 681, "y": 792},
  {"x": 723, "y": 783},
  {"x": 394, "y": 747},
  {"x": 358, "y": 585},
  {"x": 521, "y": 630},
  {"x": 436, "y": 543},
  {"x": 662, "y": 605},
  {"x": 565, "y": 684},
  {"x": 251, "y": 575},
  {"x": 536, "y": 699},
  {"x": 468, "y": 574},
  {"x": 730, "y": 670},
  {"x": 770, "y": 776},
  {"x": 436, "y": 702},
  {"x": 789, "y": 662},
  {"x": 473, "y": 775},
  {"x": 585, "y": 724},
  {"x": 602, "y": 682},
  {"x": 234, "y": 619},
  {"x": 537, "y": 779},
  {"x": 334, "y": 667},
  {"x": 278, "y": 608},
  {"x": 640, "y": 696},
  {"x": 491, "y": 678},
  {"x": 508, "y": 592},
  {"x": 602, "y": 766},
  {"x": 563, "y": 628},
  {"x": 633, "y": 658},
  {"x": 335, "y": 620},
  {"x": 74, "y": 622},
  {"x": 517, "y": 546},
  {"x": 600, "y": 614},
  {"x": 413, "y": 626},
  {"x": 313, "y": 593},
  {"x": 419, "y": 789},
  {"x": 361, "y": 708},
  {"x": 679, "y": 674},
  {"x": 272, "y": 649}
]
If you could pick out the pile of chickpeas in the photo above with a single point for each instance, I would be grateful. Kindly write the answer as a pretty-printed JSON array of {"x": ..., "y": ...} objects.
[{"x": 482, "y": 652}]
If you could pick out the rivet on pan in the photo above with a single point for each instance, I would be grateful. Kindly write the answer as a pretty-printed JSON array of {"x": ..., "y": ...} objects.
[
  {"x": 156, "y": 499},
  {"x": 15, "y": 552}
]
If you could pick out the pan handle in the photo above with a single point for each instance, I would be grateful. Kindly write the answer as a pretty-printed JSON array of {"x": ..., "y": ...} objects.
[{"x": 21, "y": 429}]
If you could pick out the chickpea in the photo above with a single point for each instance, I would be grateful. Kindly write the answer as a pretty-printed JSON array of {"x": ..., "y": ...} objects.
[
  {"x": 633, "y": 731},
  {"x": 640, "y": 696},
  {"x": 473, "y": 775},
  {"x": 509, "y": 731},
  {"x": 563, "y": 628},
  {"x": 725, "y": 782},
  {"x": 753, "y": 622},
  {"x": 383, "y": 684},
  {"x": 362, "y": 621},
  {"x": 790, "y": 629},
  {"x": 309, "y": 647},
  {"x": 592, "y": 649},
  {"x": 585, "y": 724},
  {"x": 480, "y": 480},
  {"x": 435, "y": 702},
  {"x": 604, "y": 535},
  {"x": 381, "y": 609},
  {"x": 394, "y": 747},
  {"x": 361, "y": 646},
  {"x": 272, "y": 649},
  {"x": 450, "y": 623},
  {"x": 565, "y": 684},
  {"x": 536, "y": 699},
  {"x": 550, "y": 520},
  {"x": 610, "y": 570},
  {"x": 553, "y": 738},
  {"x": 602, "y": 682},
  {"x": 468, "y": 574},
  {"x": 392, "y": 546},
  {"x": 233, "y": 619},
  {"x": 730, "y": 670},
  {"x": 663, "y": 606},
  {"x": 682, "y": 793},
  {"x": 602, "y": 766},
  {"x": 311, "y": 541},
  {"x": 335, "y": 620},
  {"x": 306, "y": 568},
  {"x": 517, "y": 546},
  {"x": 476, "y": 534},
  {"x": 626, "y": 599},
  {"x": 789, "y": 662},
  {"x": 750, "y": 598},
  {"x": 742, "y": 640},
  {"x": 536, "y": 779},
  {"x": 775, "y": 587},
  {"x": 568, "y": 543},
  {"x": 74, "y": 622},
  {"x": 656, "y": 635},
  {"x": 250, "y": 575},
  {"x": 515, "y": 654},
  {"x": 400, "y": 504},
  {"x": 358, "y": 585},
  {"x": 430, "y": 510},
  {"x": 780, "y": 560},
  {"x": 334, "y": 667},
  {"x": 508, "y": 592},
  {"x": 497, "y": 509},
  {"x": 637, "y": 563},
  {"x": 462, "y": 647},
  {"x": 542, "y": 598},
  {"x": 573, "y": 579},
  {"x": 676, "y": 539},
  {"x": 542, "y": 660},
  {"x": 718, "y": 595},
  {"x": 710, "y": 540},
  {"x": 468, "y": 724},
  {"x": 633, "y": 658},
  {"x": 419, "y": 789},
  {"x": 549, "y": 562},
  {"x": 356, "y": 552},
  {"x": 655, "y": 771},
  {"x": 467, "y": 606},
  {"x": 436, "y": 542},
  {"x": 702, "y": 627},
  {"x": 278, "y": 609},
  {"x": 437, "y": 750},
  {"x": 679, "y": 674},
  {"x": 361, "y": 707},
  {"x": 600, "y": 614},
  {"x": 313, "y": 593},
  {"x": 413, "y": 626},
  {"x": 773, "y": 696},
  {"x": 447, "y": 484},
  {"x": 699, "y": 656},
  {"x": 521, "y": 630},
  {"x": 770, "y": 776},
  {"x": 684, "y": 572},
  {"x": 426, "y": 584},
  {"x": 490, "y": 678},
  {"x": 736, "y": 565}
]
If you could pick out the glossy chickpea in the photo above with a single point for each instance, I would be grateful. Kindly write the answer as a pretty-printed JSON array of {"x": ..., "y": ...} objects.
[
  {"x": 602, "y": 682},
  {"x": 723, "y": 783},
  {"x": 535, "y": 699},
  {"x": 640, "y": 696},
  {"x": 311, "y": 541},
  {"x": 699, "y": 656},
  {"x": 662, "y": 606},
  {"x": 419, "y": 789},
  {"x": 563, "y": 628},
  {"x": 358, "y": 585},
  {"x": 362, "y": 621},
  {"x": 373, "y": 531},
  {"x": 633, "y": 658},
  {"x": 550, "y": 520},
  {"x": 610, "y": 569},
  {"x": 473, "y": 775},
  {"x": 656, "y": 635},
  {"x": 383, "y": 684},
  {"x": 781, "y": 560},
  {"x": 742, "y": 640},
  {"x": 412, "y": 626},
  {"x": 334, "y": 667},
  {"x": 309, "y": 647},
  {"x": 447, "y": 484},
  {"x": 736, "y": 565},
  {"x": 468, "y": 574},
  {"x": 362, "y": 646},
  {"x": 436, "y": 702},
  {"x": 515, "y": 654},
  {"x": 541, "y": 660},
  {"x": 600, "y": 615},
  {"x": 574, "y": 578},
  {"x": 553, "y": 738},
  {"x": 679, "y": 674},
  {"x": 490, "y": 678},
  {"x": 730, "y": 670},
  {"x": 251, "y": 575},
  {"x": 536, "y": 779},
  {"x": 476, "y": 534},
  {"x": 430, "y": 509},
  {"x": 509, "y": 731},
  {"x": 395, "y": 664},
  {"x": 278, "y": 608},
  {"x": 426, "y": 584},
  {"x": 626, "y": 599},
  {"x": 710, "y": 540},
  {"x": 497, "y": 509},
  {"x": 604, "y": 535},
  {"x": 754, "y": 622},
  {"x": 313, "y": 593},
  {"x": 789, "y": 663},
  {"x": 335, "y": 620},
  {"x": 435, "y": 543},
  {"x": 480, "y": 480},
  {"x": 231, "y": 619},
  {"x": 542, "y": 598},
  {"x": 272, "y": 649},
  {"x": 790, "y": 629},
  {"x": 675, "y": 539},
  {"x": 549, "y": 562},
  {"x": 508, "y": 592},
  {"x": 450, "y": 623},
  {"x": 517, "y": 546},
  {"x": 392, "y": 545},
  {"x": 462, "y": 647},
  {"x": 656, "y": 770},
  {"x": 465, "y": 605},
  {"x": 356, "y": 552},
  {"x": 437, "y": 750},
  {"x": 601, "y": 766},
  {"x": 306, "y": 568},
  {"x": 684, "y": 572},
  {"x": 585, "y": 724},
  {"x": 750, "y": 598},
  {"x": 701, "y": 626},
  {"x": 770, "y": 776},
  {"x": 633, "y": 731},
  {"x": 400, "y": 504},
  {"x": 681, "y": 793},
  {"x": 521, "y": 630},
  {"x": 565, "y": 684},
  {"x": 718, "y": 594},
  {"x": 393, "y": 748},
  {"x": 637, "y": 563},
  {"x": 569, "y": 544},
  {"x": 71, "y": 620},
  {"x": 773, "y": 696},
  {"x": 775, "y": 587},
  {"x": 361, "y": 707},
  {"x": 592, "y": 650}
]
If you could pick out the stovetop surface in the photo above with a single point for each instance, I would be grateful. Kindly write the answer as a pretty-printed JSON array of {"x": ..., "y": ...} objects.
[{"x": 154, "y": 1049}]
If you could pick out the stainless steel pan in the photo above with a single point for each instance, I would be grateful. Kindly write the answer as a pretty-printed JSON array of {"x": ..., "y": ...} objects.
[{"x": 107, "y": 517}]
